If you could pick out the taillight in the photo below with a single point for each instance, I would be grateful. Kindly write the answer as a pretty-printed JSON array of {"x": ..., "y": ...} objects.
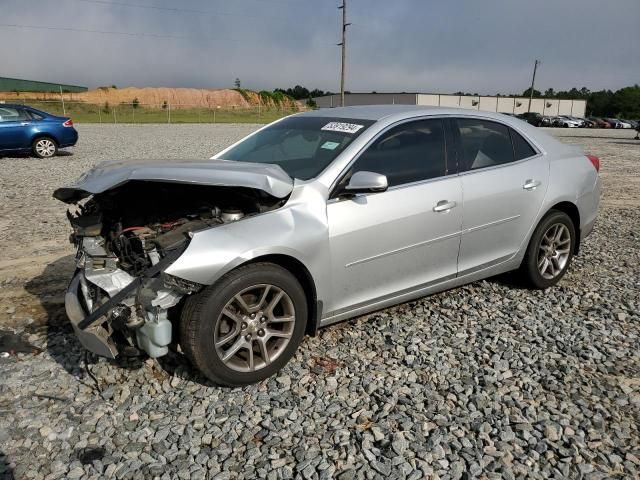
[
  {"x": 68, "y": 123},
  {"x": 595, "y": 161}
]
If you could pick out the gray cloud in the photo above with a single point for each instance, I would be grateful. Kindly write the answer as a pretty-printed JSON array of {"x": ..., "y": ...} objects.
[{"x": 403, "y": 45}]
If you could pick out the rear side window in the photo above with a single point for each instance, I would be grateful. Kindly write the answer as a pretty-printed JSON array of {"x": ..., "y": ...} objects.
[
  {"x": 408, "y": 153},
  {"x": 521, "y": 147},
  {"x": 484, "y": 144},
  {"x": 9, "y": 114}
]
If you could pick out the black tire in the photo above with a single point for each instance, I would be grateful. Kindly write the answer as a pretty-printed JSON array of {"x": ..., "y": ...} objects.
[
  {"x": 529, "y": 271},
  {"x": 49, "y": 152},
  {"x": 202, "y": 311}
]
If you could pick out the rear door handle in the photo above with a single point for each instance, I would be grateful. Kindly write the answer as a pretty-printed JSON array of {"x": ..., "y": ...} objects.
[
  {"x": 24, "y": 124},
  {"x": 444, "y": 206},
  {"x": 531, "y": 184}
]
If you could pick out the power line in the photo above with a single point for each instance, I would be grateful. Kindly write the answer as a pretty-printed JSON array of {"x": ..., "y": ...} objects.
[
  {"x": 102, "y": 32},
  {"x": 117, "y": 3},
  {"x": 151, "y": 7}
]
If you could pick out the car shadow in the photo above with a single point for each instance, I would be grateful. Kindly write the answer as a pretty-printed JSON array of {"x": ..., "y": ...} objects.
[
  {"x": 49, "y": 288},
  {"x": 60, "y": 153},
  {"x": 6, "y": 472},
  {"x": 511, "y": 280}
]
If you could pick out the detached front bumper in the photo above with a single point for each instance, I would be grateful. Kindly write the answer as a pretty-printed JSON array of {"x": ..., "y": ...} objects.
[
  {"x": 94, "y": 338},
  {"x": 146, "y": 298}
]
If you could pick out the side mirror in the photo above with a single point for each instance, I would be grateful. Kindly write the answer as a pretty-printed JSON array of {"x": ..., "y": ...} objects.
[{"x": 366, "y": 182}]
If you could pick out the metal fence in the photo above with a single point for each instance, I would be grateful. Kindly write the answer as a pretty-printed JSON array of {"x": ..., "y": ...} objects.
[{"x": 164, "y": 112}]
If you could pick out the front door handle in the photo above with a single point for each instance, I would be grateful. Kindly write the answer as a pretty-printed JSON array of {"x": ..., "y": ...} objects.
[
  {"x": 444, "y": 206},
  {"x": 24, "y": 124},
  {"x": 531, "y": 184}
]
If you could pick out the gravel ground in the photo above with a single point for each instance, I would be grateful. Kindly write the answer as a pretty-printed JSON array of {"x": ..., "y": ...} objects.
[{"x": 484, "y": 381}]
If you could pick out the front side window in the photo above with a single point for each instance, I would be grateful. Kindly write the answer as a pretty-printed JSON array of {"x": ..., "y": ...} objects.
[
  {"x": 302, "y": 146},
  {"x": 484, "y": 143},
  {"x": 408, "y": 153}
]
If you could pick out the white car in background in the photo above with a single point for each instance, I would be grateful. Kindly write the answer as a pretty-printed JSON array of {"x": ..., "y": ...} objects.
[{"x": 567, "y": 122}]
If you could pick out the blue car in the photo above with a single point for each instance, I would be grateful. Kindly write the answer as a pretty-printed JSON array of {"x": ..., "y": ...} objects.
[{"x": 27, "y": 130}]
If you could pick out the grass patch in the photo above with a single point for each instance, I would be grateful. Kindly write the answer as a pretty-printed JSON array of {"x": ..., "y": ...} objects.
[{"x": 90, "y": 113}]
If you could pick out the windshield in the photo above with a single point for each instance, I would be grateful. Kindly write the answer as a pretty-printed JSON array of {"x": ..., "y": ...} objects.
[{"x": 301, "y": 146}]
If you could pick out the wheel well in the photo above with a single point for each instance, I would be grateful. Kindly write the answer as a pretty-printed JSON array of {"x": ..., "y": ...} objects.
[
  {"x": 571, "y": 210},
  {"x": 298, "y": 270},
  {"x": 44, "y": 135}
]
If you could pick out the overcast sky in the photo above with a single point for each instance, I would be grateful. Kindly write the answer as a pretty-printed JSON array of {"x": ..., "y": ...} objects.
[{"x": 442, "y": 46}]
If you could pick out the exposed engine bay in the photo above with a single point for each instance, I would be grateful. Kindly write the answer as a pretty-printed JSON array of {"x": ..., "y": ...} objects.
[{"x": 119, "y": 300}]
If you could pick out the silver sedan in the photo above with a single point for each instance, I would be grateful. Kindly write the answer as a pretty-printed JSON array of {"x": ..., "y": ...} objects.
[{"x": 314, "y": 219}]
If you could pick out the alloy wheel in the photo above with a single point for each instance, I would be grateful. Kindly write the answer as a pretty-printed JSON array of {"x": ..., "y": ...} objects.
[
  {"x": 254, "y": 327},
  {"x": 554, "y": 251},
  {"x": 45, "y": 147}
]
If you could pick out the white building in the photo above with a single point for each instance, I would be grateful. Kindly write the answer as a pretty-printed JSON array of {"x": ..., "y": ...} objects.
[{"x": 513, "y": 105}]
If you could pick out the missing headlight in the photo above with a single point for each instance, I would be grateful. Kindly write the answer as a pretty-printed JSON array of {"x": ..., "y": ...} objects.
[{"x": 180, "y": 285}]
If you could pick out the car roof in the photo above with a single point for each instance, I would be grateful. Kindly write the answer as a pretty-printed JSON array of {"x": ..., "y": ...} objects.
[
  {"x": 388, "y": 114},
  {"x": 398, "y": 112}
]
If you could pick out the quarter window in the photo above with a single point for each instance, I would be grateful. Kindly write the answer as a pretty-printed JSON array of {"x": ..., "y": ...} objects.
[
  {"x": 34, "y": 115},
  {"x": 408, "y": 153},
  {"x": 521, "y": 147},
  {"x": 484, "y": 143}
]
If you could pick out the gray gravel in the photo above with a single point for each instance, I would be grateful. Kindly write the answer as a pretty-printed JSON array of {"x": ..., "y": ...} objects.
[{"x": 484, "y": 381}]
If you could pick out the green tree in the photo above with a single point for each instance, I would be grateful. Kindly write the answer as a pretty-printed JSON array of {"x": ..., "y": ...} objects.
[
  {"x": 536, "y": 93},
  {"x": 135, "y": 103},
  {"x": 625, "y": 102},
  {"x": 238, "y": 83}
]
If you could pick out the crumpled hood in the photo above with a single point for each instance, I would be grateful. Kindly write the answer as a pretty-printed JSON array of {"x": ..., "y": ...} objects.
[{"x": 266, "y": 177}]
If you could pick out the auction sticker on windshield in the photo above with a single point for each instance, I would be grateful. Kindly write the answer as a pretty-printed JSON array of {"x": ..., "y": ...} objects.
[{"x": 342, "y": 127}]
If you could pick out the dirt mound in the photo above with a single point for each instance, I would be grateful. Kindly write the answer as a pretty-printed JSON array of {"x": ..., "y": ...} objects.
[
  {"x": 157, "y": 96},
  {"x": 173, "y": 96}
]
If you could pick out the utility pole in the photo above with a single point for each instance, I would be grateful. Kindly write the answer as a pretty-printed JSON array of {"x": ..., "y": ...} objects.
[
  {"x": 533, "y": 82},
  {"x": 343, "y": 7},
  {"x": 64, "y": 110}
]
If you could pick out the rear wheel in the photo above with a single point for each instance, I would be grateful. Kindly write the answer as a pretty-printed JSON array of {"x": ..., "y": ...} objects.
[
  {"x": 245, "y": 327},
  {"x": 44, "y": 147},
  {"x": 550, "y": 250}
]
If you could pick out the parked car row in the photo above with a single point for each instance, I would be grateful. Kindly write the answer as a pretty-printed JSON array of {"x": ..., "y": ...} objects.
[{"x": 567, "y": 121}]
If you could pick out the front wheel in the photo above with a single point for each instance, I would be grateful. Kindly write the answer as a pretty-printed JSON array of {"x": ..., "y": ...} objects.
[
  {"x": 246, "y": 326},
  {"x": 44, "y": 147},
  {"x": 550, "y": 251}
]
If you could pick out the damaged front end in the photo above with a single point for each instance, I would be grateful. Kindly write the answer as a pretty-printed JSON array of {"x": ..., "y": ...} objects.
[{"x": 128, "y": 232}]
